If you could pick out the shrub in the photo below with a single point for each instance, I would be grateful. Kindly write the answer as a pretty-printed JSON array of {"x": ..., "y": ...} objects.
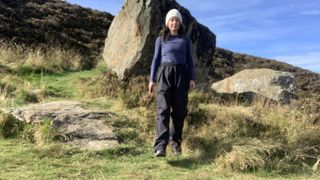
[
  {"x": 40, "y": 134},
  {"x": 108, "y": 84},
  {"x": 44, "y": 132},
  {"x": 263, "y": 137},
  {"x": 135, "y": 93},
  {"x": 6, "y": 91},
  {"x": 196, "y": 117},
  {"x": 248, "y": 155},
  {"x": 10, "y": 127},
  {"x": 27, "y": 97}
]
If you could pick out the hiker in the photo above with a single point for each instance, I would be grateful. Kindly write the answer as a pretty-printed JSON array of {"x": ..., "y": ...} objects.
[{"x": 173, "y": 64}]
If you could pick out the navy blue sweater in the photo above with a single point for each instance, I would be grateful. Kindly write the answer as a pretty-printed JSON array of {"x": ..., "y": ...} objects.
[{"x": 175, "y": 50}]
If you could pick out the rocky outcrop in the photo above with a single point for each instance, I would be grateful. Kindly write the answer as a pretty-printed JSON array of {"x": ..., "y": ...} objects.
[
  {"x": 275, "y": 85},
  {"x": 82, "y": 128},
  {"x": 130, "y": 42},
  {"x": 54, "y": 23}
]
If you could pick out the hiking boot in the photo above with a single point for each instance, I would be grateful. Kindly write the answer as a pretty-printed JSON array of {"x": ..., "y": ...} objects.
[
  {"x": 176, "y": 149},
  {"x": 160, "y": 153}
]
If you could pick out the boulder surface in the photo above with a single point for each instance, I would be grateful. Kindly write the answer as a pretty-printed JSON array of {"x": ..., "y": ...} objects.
[
  {"x": 276, "y": 85},
  {"x": 82, "y": 128}
]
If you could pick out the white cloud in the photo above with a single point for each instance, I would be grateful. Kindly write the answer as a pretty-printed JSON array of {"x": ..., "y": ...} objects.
[
  {"x": 113, "y": 6},
  {"x": 218, "y": 5},
  {"x": 243, "y": 37},
  {"x": 287, "y": 48},
  {"x": 310, "y": 60},
  {"x": 312, "y": 12}
]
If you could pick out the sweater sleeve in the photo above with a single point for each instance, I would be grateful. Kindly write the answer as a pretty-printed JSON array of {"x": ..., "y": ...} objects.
[
  {"x": 190, "y": 61},
  {"x": 156, "y": 60}
]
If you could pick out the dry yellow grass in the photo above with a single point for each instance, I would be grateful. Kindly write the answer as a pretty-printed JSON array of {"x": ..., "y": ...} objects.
[
  {"x": 50, "y": 59},
  {"x": 263, "y": 136}
]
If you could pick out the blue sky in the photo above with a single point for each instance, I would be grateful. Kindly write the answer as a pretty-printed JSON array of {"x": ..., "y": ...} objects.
[{"x": 285, "y": 30}]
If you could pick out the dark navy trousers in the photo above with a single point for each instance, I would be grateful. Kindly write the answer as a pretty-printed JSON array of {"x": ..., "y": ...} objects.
[{"x": 172, "y": 99}]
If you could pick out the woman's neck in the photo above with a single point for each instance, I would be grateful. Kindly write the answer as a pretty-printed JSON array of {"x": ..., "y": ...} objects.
[{"x": 173, "y": 33}]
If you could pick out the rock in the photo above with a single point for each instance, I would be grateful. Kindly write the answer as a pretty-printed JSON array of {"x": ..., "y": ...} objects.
[
  {"x": 129, "y": 46},
  {"x": 276, "y": 85},
  {"x": 83, "y": 128}
]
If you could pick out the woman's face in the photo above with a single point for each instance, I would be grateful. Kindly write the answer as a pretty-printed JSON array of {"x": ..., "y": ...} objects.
[{"x": 174, "y": 24}]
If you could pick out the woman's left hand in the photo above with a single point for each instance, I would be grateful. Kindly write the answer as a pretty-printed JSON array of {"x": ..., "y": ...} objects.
[{"x": 192, "y": 84}]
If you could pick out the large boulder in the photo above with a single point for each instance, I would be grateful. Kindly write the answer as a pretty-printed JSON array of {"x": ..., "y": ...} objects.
[
  {"x": 276, "y": 85},
  {"x": 82, "y": 128},
  {"x": 131, "y": 37}
]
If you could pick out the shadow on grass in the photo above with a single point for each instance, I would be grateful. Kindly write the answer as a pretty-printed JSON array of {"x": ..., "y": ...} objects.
[
  {"x": 186, "y": 163},
  {"x": 193, "y": 162},
  {"x": 122, "y": 150},
  {"x": 208, "y": 150}
]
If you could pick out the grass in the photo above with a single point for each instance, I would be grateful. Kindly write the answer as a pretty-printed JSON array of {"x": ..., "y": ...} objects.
[
  {"x": 243, "y": 139},
  {"x": 47, "y": 59},
  {"x": 44, "y": 87},
  {"x": 222, "y": 138},
  {"x": 56, "y": 161}
]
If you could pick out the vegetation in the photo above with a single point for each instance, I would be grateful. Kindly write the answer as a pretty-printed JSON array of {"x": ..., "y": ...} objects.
[{"x": 223, "y": 137}]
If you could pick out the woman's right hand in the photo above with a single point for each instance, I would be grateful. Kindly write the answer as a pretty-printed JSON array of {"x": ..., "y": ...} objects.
[
  {"x": 151, "y": 87},
  {"x": 192, "y": 85}
]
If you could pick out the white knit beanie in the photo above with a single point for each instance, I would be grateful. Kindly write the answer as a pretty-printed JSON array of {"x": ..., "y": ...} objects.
[{"x": 173, "y": 13}]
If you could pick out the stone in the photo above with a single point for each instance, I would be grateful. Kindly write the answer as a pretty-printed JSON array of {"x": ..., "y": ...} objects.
[
  {"x": 82, "y": 128},
  {"x": 129, "y": 46},
  {"x": 276, "y": 85}
]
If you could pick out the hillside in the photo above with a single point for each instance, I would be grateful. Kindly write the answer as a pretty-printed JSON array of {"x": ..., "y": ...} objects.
[{"x": 54, "y": 23}]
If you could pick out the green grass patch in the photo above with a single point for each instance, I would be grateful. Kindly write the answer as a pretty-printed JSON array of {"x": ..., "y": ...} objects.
[
  {"x": 20, "y": 159},
  {"x": 32, "y": 87}
]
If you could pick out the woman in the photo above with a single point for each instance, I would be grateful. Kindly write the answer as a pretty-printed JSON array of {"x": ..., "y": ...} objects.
[{"x": 173, "y": 59}]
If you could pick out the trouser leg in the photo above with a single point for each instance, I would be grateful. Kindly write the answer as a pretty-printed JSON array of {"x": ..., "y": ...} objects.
[
  {"x": 179, "y": 112},
  {"x": 164, "y": 98},
  {"x": 179, "y": 105},
  {"x": 163, "y": 119}
]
